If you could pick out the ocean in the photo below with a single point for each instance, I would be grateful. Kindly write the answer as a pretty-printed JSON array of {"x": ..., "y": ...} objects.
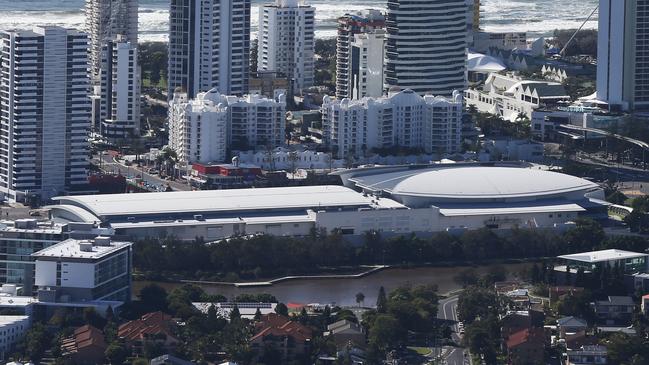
[{"x": 537, "y": 17}]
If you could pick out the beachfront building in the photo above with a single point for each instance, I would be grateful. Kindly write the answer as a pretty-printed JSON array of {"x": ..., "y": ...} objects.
[
  {"x": 287, "y": 42},
  {"x": 348, "y": 52},
  {"x": 118, "y": 116},
  {"x": 426, "y": 46},
  {"x": 509, "y": 96},
  {"x": 209, "y": 46},
  {"x": 623, "y": 54},
  {"x": 75, "y": 270},
  {"x": 206, "y": 128},
  {"x": 404, "y": 119},
  {"x": 44, "y": 112},
  {"x": 106, "y": 19}
]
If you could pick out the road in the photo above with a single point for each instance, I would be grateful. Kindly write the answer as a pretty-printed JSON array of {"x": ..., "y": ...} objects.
[
  {"x": 447, "y": 310},
  {"x": 111, "y": 165}
]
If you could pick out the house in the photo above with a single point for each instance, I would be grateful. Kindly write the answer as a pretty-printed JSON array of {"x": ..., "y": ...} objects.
[
  {"x": 86, "y": 346},
  {"x": 570, "y": 326},
  {"x": 645, "y": 304},
  {"x": 587, "y": 355},
  {"x": 559, "y": 292},
  {"x": 616, "y": 310},
  {"x": 346, "y": 333},
  {"x": 152, "y": 327},
  {"x": 526, "y": 347},
  {"x": 291, "y": 339},
  {"x": 514, "y": 322},
  {"x": 169, "y": 360}
]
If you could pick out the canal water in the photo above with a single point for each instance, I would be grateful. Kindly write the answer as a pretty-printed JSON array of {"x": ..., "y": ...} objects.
[{"x": 343, "y": 291}]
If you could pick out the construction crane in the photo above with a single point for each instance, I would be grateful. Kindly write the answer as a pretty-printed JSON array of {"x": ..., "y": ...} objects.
[{"x": 563, "y": 50}]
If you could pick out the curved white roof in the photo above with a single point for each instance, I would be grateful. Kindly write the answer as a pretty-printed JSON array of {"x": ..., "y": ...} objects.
[
  {"x": 479, "y": 182},
  {"x": 479, "y": 62}
]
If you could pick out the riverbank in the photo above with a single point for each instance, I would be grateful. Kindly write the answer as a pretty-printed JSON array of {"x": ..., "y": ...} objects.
[{"x": 342, "y": 291}]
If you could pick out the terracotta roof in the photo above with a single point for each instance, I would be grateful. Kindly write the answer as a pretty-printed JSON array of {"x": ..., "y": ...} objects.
[
  {"x": 83, "y": 337},
  {"x": 148, "y": 325},
  {"x": 279, "y": 326},
  {"x": 524, "y": 336}
]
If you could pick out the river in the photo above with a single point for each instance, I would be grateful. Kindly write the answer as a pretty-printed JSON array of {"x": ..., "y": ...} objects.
[{"x": 343, "y": 291}]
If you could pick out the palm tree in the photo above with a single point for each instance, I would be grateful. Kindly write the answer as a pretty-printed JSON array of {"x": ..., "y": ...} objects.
[{"x": 360, "y": 298}]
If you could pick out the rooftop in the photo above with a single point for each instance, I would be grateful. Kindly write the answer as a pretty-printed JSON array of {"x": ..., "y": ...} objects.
[
  {"x": 206, "y": 201},
  {"x": 5, "y": 320},
  {"x": 84, "y": 249},
  {"x": 602, "y": 256}
]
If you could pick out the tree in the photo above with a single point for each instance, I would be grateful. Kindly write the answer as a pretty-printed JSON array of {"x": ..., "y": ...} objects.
[
  {"x": 586, "y": 235},
  {"x": 235, "y": 314},
  {"x": 153, "y": 297},
  {"x": 381, "y": 301},
  {"x": 281, "y": 309},
  {"x": 91, "y": 317},
  {"x": 360, "y": 298},
  {"x": 36, "y": 342},
  {"x": 475, "y": 302},
  {"x": 257, "y": 314},
  {"x": 386, "y": 333},
  {"x": 116, "y": 353}
]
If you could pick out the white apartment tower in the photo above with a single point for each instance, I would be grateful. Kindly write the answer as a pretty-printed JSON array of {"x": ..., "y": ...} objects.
[
  {"x": 366, "y": 72},
  {"x": 119, "y": 90},
  {"x": 404, "y": 119},
  {"x": 206, "y": 128},
  {"x": 106, "y": 19},
  {"x": 44, "y": 112},
  {"x": 623, "y": 54},
  {"x": 349, "y": 26},
  {"x": 286, "y": 41},
  {"x": 209, "y": 46},
  {"x": 426, "y": 45},
  {"x": 198, "y": 128}
]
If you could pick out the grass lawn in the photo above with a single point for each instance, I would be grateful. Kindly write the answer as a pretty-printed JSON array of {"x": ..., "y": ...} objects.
[{"x": 423, "y": 351}]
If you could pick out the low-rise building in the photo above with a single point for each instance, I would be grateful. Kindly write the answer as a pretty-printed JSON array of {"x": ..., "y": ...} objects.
[
  {"x": 630, "y": 262},
  {"x": 615, "y": 310},
  {"x": 507, "y": 149},
  {"x": 84, "y": 270},
  {"x": 223, "y": 176},
  {"x": 587, "y": 355},
  {"x": 509, "y": 96},
  {"x": 483, "y": 41},
  {"x": 290, "y": 338},
  {"x": 12, "y": 330},
  {"x": 246, "y": 310},
  {"x": 155, "y": 327},
  {"x": 570, "y": 326},
  {"x": 346, "y": 333},
  {"x": 526, "y": 347},
  {"x": 86, "y": 346}
]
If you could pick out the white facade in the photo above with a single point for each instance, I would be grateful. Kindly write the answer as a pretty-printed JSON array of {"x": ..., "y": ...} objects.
[
  {"x": 105, "y": 19},
  {"x": 483, "y": 41},
  {"x": 119, "y": 98},
  {"x": 367, "y": 64},
  {"x": 349, "y": 26},
  {"x": 44, "y": 112},
  {"x": 198, "y": 128},
  {"x": 623, "y": 54},
  {"x": 12, "y": 330},
  {"x": 426, "y": 45},
  {"x": 286, "y": 41},
  {"x": 206, "y": 128},
  {"x": 85, "y": 270},
  {"x": 404, "y": 119},
  {"x": 209, "y": 46},
  {"x": 508, "y": 96}
]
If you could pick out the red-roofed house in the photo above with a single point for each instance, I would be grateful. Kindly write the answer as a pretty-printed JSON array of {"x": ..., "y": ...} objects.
[
  {"x": 155, "y": 327},
  {"x": 526, "y": 347},
  {"x": 291, "y": 339},
  {"x": 85, "y": 346}
]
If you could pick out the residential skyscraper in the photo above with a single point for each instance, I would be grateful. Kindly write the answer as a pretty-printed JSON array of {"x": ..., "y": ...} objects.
[
  {"x": 44, "y": 112},
  {"x": 349, "y": 26},
  {"x": 286, "y": 41},
  {"x": 402, "y": 119},
  {"x": 105, "y": 19},
  {"x": 119, "y": 90},
  {"x": 623, "y": 54},
  {"x": 426, "y": 45},
  {"x": 209, "y": 46}
]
